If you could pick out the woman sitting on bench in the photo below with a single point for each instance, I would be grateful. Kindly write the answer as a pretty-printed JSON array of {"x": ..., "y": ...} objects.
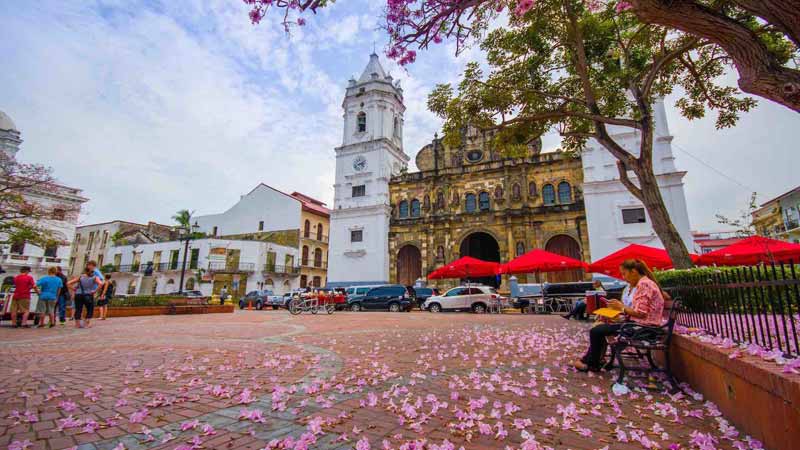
[{"x": 647, "y": 309}]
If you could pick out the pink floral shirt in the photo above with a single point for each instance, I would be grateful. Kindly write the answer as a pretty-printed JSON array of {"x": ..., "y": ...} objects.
[{"x": 648, "y": 300}]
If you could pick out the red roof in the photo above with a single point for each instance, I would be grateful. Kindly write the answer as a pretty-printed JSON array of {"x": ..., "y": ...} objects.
[{"x": 312, "y": 205}]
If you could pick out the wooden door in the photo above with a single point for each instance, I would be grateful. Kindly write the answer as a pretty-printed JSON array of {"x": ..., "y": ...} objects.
[
  {"x": 409, "y": 265},
  {"x": 565, "y": 246}
]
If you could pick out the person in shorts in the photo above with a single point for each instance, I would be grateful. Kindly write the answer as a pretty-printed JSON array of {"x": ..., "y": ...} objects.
[
  {"x": 106, "y": 294},
  {"x": 63, "y": 297},
  {"x": 21, "y": 301},
  {"x": 49, "y": 290},
  {"x": 85, "y": 287}
]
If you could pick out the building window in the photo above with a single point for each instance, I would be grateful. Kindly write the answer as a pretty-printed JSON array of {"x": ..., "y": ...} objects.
[
  {"x": 474, "y": 156},
  {"x": 17, "y": 247},
  {"x": 403, "y": 209},
  {"x": 194, "y": 258},
  {"x": 307, "y": 229},
  {"x": 91, "y": 241},
  {"x": 396, "y": 127},
  {"x": 190, "y": 284},
  {"x": 51, "y": 249},
  {"x": 100, "y": 258},
  {"x": 532, "y": 189},
  {"x": 564, "y": 192},
  {"x": 319, "y": 231},
  {"x": 633, "y": 215},
  {"x": 415, "y": 211},
  {"x": 356, "y": 235},
  {"x": 548, "y": 194},
  {"x": 469, "y": 203},
  {"x": 317, "y": 257},
  {"x": 520, "y": 248},
  {"x": 305, "y": 256},
  {"x": 359, "y": 191},
  {"x": 483, "y": 201},
  {"x": 303, "y": 281},
  {"x": 317, "y": 281},
  {"x": 214, "y": 231},
  {"x": 361, "y": 124},
  {"x": 59, "y": 213},
  {"x": 105, "y": 239},
  {"x": 261, "y": 225}
]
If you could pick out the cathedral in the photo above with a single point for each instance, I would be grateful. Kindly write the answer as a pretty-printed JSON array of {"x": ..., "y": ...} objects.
[{"x": 389, "y": 225}]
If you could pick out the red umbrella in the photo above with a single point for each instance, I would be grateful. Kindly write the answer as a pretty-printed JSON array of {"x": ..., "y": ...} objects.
[
  {"x": 538, "y": 260},
  {"x": 751, "y": 251},
  {"x": 655, "y": 258},
  {"x": 466, "y": 267}
]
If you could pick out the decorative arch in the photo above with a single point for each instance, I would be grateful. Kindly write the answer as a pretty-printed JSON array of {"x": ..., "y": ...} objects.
[
  {"x": 415, "y": 208},
  {"x": 565, "y": 245},
  {"x": 564, "y": 192},
  {"x": 402, "y": 209},
  {"x": 548, "y": 194},
  {"x": 409, "y": 264},
  {"x": 483, "y": 246},
  {"x": 269, "y": 284}
]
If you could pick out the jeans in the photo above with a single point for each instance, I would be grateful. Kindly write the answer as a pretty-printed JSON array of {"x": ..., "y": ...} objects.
[
  {"x": 597, "y": 343},
  {"x": 82, "y": 300},
  {"x": 62, "y": 308},
  {"x": 579, "y": 310}
]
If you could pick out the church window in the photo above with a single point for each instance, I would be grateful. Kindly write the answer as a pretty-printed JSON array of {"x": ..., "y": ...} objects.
[
  {"x": 516, "y": 193},
  {"x": 532, "y": 189},
  {"x": 474, "y": 156},
  {"x": 520, "y": 248},
  {"x": 564, "y": 192},
  {"x": 403, "y": 209},
  {"x": 361, "y": 124},
  {"x": 469, "y": 201},
  {"x": 307, "y": 229},
  {"x": 356, "y": 235},
  {"x": 548, "y": 194},
  {"x": 633, "y": 215},
  {"x": 359, "y": 191},
  {"x": 415, "y": 208},
  {"x": 483, "y": 201}
]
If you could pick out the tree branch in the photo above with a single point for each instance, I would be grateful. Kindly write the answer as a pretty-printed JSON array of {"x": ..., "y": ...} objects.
[{"x": 628, "y": 183}]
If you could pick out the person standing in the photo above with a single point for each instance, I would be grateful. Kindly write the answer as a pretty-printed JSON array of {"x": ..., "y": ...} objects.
[
  {"x": 63, "y": 297},
  {"x": 105, "y": 296},
  {"x": 93, "y": 266},
  {"x": 85, "y": 287},
  {"x": 21, "y": 301},
  {"x": 223, "y": 294},
  {"x": 50, "y": 288}
]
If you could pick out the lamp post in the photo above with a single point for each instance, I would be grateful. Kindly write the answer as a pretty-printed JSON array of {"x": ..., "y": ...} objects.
[{"x": 188, "y": 235}]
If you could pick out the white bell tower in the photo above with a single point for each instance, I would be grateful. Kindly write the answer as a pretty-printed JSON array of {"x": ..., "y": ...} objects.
[{"x": 371, "y": 152}]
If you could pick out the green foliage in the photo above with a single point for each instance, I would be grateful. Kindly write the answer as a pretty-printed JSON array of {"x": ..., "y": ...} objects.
[
  {"x": 183, "y": 218},
  {"x": 107, "y": 268},
  {"x": 142, "y": 300}
]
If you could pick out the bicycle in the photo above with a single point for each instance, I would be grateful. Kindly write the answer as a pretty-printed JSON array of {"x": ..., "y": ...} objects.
[{"x": 312, "y": 305}]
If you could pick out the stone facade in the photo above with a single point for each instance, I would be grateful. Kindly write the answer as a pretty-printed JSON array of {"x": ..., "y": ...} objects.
[{"x": 473, "y": 202}]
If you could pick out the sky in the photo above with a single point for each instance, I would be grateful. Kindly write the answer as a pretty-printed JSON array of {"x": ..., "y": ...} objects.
[{"x": 151, "y": 106}]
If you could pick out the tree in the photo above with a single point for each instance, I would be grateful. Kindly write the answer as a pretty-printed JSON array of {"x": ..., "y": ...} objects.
[
  {"x": 183, "y": 218},
  {"x": 26, "y": 205},
  {"x": 761, "y": 37},
  {"x": 574, "y": 67}
]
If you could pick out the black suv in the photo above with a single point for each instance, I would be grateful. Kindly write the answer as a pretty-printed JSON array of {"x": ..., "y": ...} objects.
[
  {"x": 392, "y": 297},
  {"x": 422, "y": 294}
]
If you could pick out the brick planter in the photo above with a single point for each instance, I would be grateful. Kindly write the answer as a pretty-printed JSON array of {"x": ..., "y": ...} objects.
[{"x": 134, "y": 311}]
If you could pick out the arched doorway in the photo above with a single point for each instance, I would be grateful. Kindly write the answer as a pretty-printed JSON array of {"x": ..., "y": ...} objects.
[
  {"x": 566, "y": 246},
  {"x": 409, "y": 265},
  {"x": 482, "y": 246}
]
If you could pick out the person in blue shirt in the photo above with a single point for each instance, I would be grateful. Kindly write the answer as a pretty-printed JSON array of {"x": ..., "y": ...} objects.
[
  {"x": 50, "y": 288},
  {"x": 93, "y": 265}
]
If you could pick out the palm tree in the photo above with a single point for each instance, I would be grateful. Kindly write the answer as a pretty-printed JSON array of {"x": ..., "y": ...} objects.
[{"x": 183, "y": 218}]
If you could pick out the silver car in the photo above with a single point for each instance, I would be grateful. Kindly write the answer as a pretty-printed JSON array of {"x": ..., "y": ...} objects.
[{"x": 475, "y": 298}]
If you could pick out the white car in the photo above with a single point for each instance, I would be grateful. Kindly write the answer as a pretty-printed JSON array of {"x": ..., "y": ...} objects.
[{"x": 475, "y": 298}]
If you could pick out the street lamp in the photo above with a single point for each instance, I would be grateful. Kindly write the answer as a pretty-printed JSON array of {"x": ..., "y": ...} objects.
[{"x": 187, "y": 234}]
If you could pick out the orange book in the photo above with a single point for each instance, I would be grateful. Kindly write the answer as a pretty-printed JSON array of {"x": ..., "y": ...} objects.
[{"x": 607, "y": 312}]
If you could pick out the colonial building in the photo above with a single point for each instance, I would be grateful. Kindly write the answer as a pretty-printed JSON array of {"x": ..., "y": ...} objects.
[
  {"x": 473, "y": 201},
  {"x": 60, "y": 225},
  {"x": 92, "y": 241},
  {"x": 371, "y": 152},
  {"x": 616, "y": 218}
]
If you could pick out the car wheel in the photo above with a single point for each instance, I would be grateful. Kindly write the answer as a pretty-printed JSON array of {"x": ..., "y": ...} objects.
[
  {"x": 275, "y": 307},
  {"x": 479, "y": 308},
  {"x": 394, "y": 307},
  {"x": 259, "y": 306},
  {"x": 435, "y": 308},
  {"x": 355, "y": 307},
  {"x": 241, "y": 305}
]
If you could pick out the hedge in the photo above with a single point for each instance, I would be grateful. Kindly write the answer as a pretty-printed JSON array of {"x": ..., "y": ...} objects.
[{"x": 143, "y": 300}]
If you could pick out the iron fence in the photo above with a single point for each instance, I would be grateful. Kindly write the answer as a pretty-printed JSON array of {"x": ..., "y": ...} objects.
[
  {"x": 754, "y": 304},
  {"x": 278, "y": 269},
  {"x": 224, "y": 266}
]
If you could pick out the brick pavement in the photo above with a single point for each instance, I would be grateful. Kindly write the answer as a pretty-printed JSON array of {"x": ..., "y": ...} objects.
[{"x": 258, "y": 379}]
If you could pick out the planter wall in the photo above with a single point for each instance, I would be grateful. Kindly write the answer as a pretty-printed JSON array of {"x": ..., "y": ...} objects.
[{"x": 134, "y": 311}]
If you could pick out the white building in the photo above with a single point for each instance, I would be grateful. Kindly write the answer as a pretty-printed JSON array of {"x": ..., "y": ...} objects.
[
  {"x": 238, "y": 265},
  {"x": 262, "y": 209},
  {"x": 61, "y": 225},
  {"x": 371, "y": 152},
  {"x": 615, "y": 217},
  {"x": 92, "y": 242}
]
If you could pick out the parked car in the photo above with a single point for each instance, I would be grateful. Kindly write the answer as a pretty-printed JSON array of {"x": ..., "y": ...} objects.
[
  {"x": 423, "y": 293},
  {"x": 259, "y": 299},
  {"x": 278, "y": 301},
  {"x": 476, "y": 298},
  {"x": 391, "y": 297}
]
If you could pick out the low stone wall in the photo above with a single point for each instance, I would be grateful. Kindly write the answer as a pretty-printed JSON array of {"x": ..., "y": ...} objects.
[
  {"x": 134, "y": 311},
  {"x": 754, "y": 394}
]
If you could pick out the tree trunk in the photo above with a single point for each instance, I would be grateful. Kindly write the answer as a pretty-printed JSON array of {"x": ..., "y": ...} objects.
[
  {"x": 759, "y": 71},
  {"x": 663, "y": 226}
]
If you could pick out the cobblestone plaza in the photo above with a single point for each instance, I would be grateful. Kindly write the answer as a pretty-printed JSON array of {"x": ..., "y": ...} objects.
[{"x": 258, "y": 379}]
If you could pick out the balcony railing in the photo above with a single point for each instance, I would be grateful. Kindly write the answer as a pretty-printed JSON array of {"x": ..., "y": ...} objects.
[
  {"x": 33, "y": 261},
  {"x": 314, "y": 264},
  {"x": 317, "y": 238},
  {"x": 281, "y": 270},
  {"x": 224, "y": 266},
  {"x": 147, "y": 268}
]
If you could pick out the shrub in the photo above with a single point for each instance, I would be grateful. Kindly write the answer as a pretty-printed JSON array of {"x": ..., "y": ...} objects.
[{"x": 142, "y": 300}]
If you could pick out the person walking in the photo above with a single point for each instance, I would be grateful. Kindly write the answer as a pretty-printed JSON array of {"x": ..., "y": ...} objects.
[
  {"x": 85, "y": 287},
  {"x": 105, "y": 296},
  {"x": 63, "y": 297},
  {"x": 50, "y": 289},
  {"x": 21, "y": 301}
]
